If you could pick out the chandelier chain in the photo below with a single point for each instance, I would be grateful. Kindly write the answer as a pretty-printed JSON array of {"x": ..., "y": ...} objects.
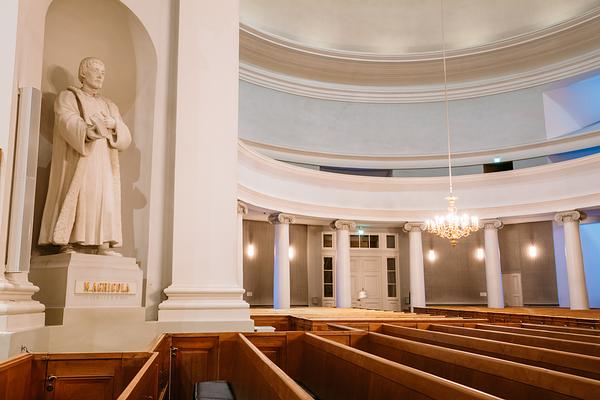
[{"x": 446, "y": 112}]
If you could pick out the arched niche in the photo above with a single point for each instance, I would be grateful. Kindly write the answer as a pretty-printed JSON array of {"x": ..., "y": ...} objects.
[{"x": 109, "y": 30}]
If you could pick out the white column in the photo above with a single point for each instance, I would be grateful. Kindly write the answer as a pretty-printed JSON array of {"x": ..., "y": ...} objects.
[
  {"x": 493, "y": 269},
  {"x": 242, "y": 210},
  {"x": 205, "y": 263},
  {"x": 343, "y": 286},
  {"x": 416, "y": 269},
  {"x": 578, "y": 296},
  {"x": 281, "y": 266}
]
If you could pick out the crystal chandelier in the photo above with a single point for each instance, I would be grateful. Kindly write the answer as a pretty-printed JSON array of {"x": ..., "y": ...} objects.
[{"x": 451, "y": 226}]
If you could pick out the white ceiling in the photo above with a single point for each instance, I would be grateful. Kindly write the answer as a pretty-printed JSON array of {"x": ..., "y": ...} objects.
[{"x": 405, "y": 26}]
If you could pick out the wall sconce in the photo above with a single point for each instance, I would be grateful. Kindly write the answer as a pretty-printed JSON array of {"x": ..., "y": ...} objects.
[
  {"x": 250, "y": 250},
  {"x": 532, "y": 251},
  {"x": 480, "y": 254},
  {"x": 291, "y": 253},
  {"x": 360, "y": 231},
  {"x": 431, "y": 256}
]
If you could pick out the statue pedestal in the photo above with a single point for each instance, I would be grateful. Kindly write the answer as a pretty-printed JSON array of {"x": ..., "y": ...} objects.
[{"x": 79, "y": 281}]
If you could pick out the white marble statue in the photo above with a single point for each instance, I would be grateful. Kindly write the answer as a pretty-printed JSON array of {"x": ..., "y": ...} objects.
[{"x": 83, "y": 205}]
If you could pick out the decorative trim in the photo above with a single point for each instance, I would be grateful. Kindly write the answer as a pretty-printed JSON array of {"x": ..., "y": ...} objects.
[
  {"x": 570, "y": 216},
  {"x": 491, "y": 224},
  {"x": 343, "y": 225},
  {"x": 281, "y": 218},
  {"x": 529, "y": 150},
  {"x": 419, "y": 93},
  {"x": 420, "y": 56},
  {"x": 414, "y": 227}
]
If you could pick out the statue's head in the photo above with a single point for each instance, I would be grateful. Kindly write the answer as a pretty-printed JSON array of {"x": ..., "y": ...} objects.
[{"x": 91, "y": 72}]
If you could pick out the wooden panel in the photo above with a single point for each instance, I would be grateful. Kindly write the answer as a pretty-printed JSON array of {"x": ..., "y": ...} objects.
[
  {"x": 571, "y": 363},
  {"x": 163, "y": 348},
  {"x": 15, "y": 377},
  {"x": 195, "y": 360},
  {"x": 280, "y": 323},
  {"x": 131, "y": 363},
  {"x": 538, "y": 332},
  {"x": 257, "y": 377},
  {"x": 274, "y": 346},
  {"x": 566, "y": 329},
  {"x": 144, "y": 385},
  {"x": 78, "y": 375},
  {"x": 505, "y": 379},
  {"x": 535, "y": 341},
  {"x": 335, "y": 371}
]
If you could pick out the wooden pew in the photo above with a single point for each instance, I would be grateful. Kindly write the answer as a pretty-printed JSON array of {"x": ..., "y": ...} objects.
[
  {"x": 255, "y": 376},
  {"x": 539, "y": 332},
  {"x": 565, "y": 329},
  {"x": 535, "y": 341},
  {"x": 15, "y": 377},
  {"x": 334, "y": 371},
  {"x": 505, "y": 379},
  {"x": 145, "y": 384},
  {"x": 571, "y": 363}
]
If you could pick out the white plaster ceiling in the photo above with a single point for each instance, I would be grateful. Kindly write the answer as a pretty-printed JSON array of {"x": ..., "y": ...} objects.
[{"x": 405, "y": 26}]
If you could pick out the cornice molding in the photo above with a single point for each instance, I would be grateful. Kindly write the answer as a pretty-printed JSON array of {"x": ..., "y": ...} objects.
[
  {"x": 419, "y": 94},
  {"x": 523, "y": 151},
  {"x": 554, "y": 53},
  {"x": 242, "y": 208},
  {"x": 421, "y": 56}
]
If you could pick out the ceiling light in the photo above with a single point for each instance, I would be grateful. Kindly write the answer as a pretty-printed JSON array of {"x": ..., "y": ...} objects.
[
  {"x": 479, "y": 254},
  {"x": 250, "y": 250},
  {"x": 451, "y": 226}
]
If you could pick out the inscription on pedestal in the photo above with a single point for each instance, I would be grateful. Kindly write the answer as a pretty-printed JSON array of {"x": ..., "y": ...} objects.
[{"x": 103, "y": 287}]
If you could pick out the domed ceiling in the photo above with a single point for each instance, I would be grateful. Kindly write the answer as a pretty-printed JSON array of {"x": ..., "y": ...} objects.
[
  {"x": 360, "y": 50},
  {"x": 397, "y": 27}
]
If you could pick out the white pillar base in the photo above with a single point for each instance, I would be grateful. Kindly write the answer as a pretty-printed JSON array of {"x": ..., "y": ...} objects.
[
  {"x": 18, "y": 311},
  {"x": 205, "y": 304}
]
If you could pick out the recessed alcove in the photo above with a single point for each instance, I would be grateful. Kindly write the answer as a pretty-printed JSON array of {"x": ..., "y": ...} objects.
[{"x": 112, "y": 32}]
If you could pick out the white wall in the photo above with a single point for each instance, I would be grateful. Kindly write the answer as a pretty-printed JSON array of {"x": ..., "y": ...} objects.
[
  {"x": 590, "y": 244},
  {"x": 273, "y": 117}
]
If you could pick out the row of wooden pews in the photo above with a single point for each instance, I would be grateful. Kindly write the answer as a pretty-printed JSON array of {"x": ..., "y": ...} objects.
[{"x": 413, "y": 357}]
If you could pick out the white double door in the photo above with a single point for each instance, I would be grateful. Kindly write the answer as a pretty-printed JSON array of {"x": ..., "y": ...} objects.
[{"x": 365, "y": 273}]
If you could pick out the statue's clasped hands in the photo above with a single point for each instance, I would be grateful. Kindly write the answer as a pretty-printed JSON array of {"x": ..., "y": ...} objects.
[{"x": 102, "y": 123}]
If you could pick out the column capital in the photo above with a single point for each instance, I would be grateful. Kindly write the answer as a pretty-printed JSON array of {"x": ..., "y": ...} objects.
[
  {"x": 491, "y": 224},
  {"x": 342, "y": 225},
  {"x": 414, "y": 227},
  {"x": 570, "y": 216},
  {"x": 242, "y": 208},
  {"x": 281, "y": 218}
]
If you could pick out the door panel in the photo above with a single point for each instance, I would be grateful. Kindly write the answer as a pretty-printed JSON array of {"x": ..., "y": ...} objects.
[{"x": 366, "y": 274}]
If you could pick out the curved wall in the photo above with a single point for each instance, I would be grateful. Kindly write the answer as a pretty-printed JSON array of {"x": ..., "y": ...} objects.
[
  {"x": 278, "y": 118},
  {"x": 542, "y": 190}
]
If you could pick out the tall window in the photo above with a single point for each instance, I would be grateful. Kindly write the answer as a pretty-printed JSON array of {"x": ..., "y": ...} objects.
[
  {"x": 328, "y": 240},
  {"x": 327, "y": 276},
  {"x": 391, "y": 277}
]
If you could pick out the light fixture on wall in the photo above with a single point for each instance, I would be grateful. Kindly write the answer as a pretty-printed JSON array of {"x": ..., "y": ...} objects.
[
  {"x": 451, "y": 226},
  {"x": 431, "y": 256},
  {"x": 532, "y": 251},
  {"x": 360, "y": 231},
  {"x": 250, "y": 250},
  {"x": 291, "y": 253},
  {"x": 480, "y": 254}
]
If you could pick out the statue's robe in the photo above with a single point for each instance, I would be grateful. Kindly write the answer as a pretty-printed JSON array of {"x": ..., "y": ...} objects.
[{"x": 83, "y": 204}]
